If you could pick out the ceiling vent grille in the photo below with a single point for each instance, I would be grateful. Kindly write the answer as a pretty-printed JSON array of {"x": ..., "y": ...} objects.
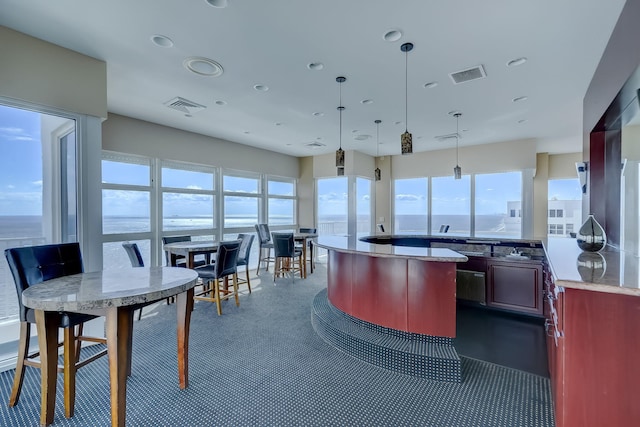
[
  {"x": 315, "y": 145},
  {"x": 184, "y": 105},
  {"x": 442, "y": 138},
  {"x": 467, "y": 75}
]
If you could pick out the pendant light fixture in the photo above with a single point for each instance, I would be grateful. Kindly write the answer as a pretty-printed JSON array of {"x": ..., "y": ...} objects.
[
  {"x": 340, "y": 151},
  {"x": 457, "y": 171},
  {"x": 376, "y": 172},
  {"x": 406, "y": 140}
]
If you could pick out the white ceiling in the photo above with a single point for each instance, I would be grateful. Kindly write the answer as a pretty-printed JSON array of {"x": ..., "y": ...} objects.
[{"x": 272, "y": 42}]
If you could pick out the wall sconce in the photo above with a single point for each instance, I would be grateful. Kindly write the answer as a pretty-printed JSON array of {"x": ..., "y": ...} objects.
[{"x": 582, "y": 169}]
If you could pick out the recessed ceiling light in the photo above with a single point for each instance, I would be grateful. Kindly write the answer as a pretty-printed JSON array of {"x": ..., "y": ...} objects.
[
  {"x": 516, "y": 62},
  {"x": 366, "y": 101},
  {"x": 288, "y": 144},
  {"x": 219, "y": 102},
  {"x": 278, "y": 124},
  {"x": 354, "y": 131},
  {"x": 203, "y": 66},
  {"x": 188, "y": 115},
  {"x": 430, "y": 85},
  {"x": 454, "y": 112},
  {"x": 162, "y": 41},
  {"x": 261, "y": 88},
  {"x": 397, "y": 123},
  {"x": 522, "y": 120},
  {"x": 520, "y": 98},
  {"x": 246, "y": 132},
  {"x": 392, "y": 35},
  {"x": 318, "y": 114},
  {"x": 220, "y": 4},
  {"x": 316, "y": 66}
]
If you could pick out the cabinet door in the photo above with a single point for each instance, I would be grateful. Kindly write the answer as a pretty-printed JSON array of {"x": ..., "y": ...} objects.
[{"x": 515, "y": 286}]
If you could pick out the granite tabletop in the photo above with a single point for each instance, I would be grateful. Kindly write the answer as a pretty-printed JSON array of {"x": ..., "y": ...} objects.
[
  {"x": 350, "y": 244},
  {"x": 109, "y": 288}
]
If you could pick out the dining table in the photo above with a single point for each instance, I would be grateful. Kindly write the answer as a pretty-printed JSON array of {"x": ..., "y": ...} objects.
[
  {"x": 304, "y": 239},
  {"x": 189, "y": 250},
  {"x": 114, "y": 294}
]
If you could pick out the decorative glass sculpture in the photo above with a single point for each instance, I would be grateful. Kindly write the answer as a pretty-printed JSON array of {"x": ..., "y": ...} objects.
[{"x": 591, "y": 236}]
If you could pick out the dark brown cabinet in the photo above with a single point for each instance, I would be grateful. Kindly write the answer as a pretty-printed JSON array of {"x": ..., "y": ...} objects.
[
  {"x": 593, "y": 347},
  {"x": 515, "y": 286}
]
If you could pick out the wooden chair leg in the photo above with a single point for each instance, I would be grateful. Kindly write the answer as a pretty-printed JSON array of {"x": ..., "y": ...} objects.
[
  {"x": 235, "y": 288},
  {"x": 248, "y": 281},
  {"x": 69, "y": 372},
  {"x": 23, "y": 353},
  {"x": 216, "y": 293}
]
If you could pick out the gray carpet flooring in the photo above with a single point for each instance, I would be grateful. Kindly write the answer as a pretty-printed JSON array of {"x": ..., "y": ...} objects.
[{"x": 262, "y": 364}]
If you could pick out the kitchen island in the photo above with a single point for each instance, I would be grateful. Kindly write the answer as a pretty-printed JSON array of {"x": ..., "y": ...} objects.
[{"x": 393, "y": 306}]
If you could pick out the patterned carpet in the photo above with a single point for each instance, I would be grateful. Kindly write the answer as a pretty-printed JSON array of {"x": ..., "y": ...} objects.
[{"x": 261, "y": 364}]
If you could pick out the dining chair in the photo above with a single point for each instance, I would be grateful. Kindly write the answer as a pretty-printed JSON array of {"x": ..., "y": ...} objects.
[
  {"x": 32, "y": 265},
  {"x": 286, "y": 255},
  {"x": 264, "y": 239},
  {"x": 312, "y": 260},
  {"x": 243, "y": 258},
  {"x": 135, "y": 257},
  {"x": 225, "y": 265},
  {"x": 181, "y": 261}
]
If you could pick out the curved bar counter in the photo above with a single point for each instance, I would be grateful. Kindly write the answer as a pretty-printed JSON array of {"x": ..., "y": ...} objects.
[{"x": 407, "y": 288}]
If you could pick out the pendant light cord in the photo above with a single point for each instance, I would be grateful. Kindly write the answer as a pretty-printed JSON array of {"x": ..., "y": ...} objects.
[
  {"x": 406, "y": 90},
  {"x": 457, "y": 135},
  {"x": 377, "y": 138},
  {"x": 340, "y": 109}
]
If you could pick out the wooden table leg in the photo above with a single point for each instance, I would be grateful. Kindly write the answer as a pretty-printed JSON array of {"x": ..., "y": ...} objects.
[
  {"x": 47, "y": 326},
  {"x": 118, "y": 328},
  {"x": 184, "y": 306},
  {"x": 304, "y": 258}
]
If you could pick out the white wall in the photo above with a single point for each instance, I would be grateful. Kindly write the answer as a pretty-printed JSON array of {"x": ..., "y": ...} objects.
[
  {"x": 489, "y": 158},
  {"x": 45, "y": 74},
  {"x": 128, "y": 135}
]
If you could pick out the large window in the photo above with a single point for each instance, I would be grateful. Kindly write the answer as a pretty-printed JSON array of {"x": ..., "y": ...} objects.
[
  {"x": 38, "y": 201},
  {"x": 126, "y": 207},
  {"x": 333, "y": 208},
  {"x": 410, "y": 207},
  {"x": 483, "y": 205},
  {"x": 498, "y": 201},
  {"x": 451, "y": 205},
  {"x": 242, "y": 197},
  {"x": 363, "y": 206},
  {"x": 565, "y": 206},
  {"x": 282, "y": 201},
  {"x": 188, "y": 199}
]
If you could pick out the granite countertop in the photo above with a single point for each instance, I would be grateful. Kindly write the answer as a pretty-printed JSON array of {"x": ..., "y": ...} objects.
[
  {"x": 610, "y": 270},
  {"x": 88, "y": 292},
  {"x": 350, "y": 244}
]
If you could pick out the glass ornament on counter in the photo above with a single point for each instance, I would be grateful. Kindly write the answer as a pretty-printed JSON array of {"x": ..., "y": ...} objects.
[
  {"x": 591, "y": 266},
  {"x": 591, "y": 236}
]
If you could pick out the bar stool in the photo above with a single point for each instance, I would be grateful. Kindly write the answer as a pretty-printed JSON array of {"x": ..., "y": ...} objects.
[
  {"x": 223, "y": 267},
  {"x": 264, "y": 238}
]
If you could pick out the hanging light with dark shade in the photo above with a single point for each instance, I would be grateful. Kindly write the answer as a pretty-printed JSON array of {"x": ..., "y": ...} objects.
[
  {"x": 457, "y": 170},
  {"x": 340, "y": 151},
  {"x": 406, "y": 140},
  {"x": 376, "y": 172}
]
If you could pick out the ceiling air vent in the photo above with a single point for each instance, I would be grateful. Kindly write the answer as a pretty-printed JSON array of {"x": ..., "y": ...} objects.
[
  {"x": 468, "y": 75},
  {"x": 315, "y": 145},
  {"x": 184, "y": 105},
  {"x": 442, "y": 138}
]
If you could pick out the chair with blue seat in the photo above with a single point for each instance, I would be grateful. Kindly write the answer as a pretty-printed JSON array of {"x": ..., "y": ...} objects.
[
  {"x": 33, "y": 265},
  {"x": 135, "y": 257},
  {"x": 264, "y": 239},
  {"x": 243, "y": 258},
  {"x": 288, "y": 257},
  {"x": 224, "y": 265}
]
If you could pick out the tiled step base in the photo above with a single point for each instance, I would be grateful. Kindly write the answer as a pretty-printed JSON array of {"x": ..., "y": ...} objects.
[{"x": 408, "y": 353}]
